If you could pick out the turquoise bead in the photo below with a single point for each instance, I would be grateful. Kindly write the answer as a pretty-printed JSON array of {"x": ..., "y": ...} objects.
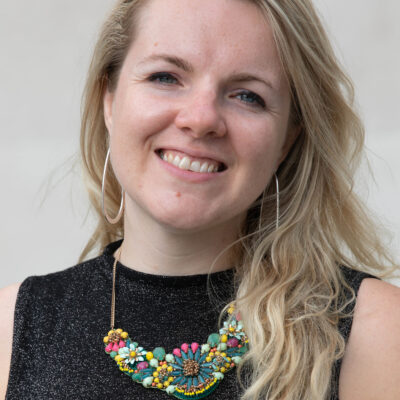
[
  {"x": 136, "y": 377},
  {"x": 159, "y": 353},
  {"x": 213, "y": 339},
  {"x": 113, "y": 354}
]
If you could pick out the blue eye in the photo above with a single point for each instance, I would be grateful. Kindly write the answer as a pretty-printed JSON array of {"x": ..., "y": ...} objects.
[
  {"x": 251, "y": 98},
  {"x": 163, "y": 77}
]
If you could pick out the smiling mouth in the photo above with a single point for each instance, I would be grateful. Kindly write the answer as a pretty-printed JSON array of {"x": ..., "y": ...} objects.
[{"x": 188, "y": 163}]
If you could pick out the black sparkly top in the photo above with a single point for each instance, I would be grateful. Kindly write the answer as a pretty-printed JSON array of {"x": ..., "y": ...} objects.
[{"x": 61, "y": 320}]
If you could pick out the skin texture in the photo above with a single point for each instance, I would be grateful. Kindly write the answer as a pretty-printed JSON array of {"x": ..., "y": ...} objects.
[{"x": 177, "y": 225}]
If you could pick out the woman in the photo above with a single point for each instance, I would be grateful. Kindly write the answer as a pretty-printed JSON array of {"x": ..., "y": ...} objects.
[{"x": 229, "y": 127}]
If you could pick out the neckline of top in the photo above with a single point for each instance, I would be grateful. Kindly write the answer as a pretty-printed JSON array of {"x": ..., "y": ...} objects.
[{"x": 173, "y": 281}]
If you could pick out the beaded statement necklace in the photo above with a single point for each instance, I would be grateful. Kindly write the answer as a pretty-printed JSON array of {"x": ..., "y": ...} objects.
[{"x": 191, "y": 371}]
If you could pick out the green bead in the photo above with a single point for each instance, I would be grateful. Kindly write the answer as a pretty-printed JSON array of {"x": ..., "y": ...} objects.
[
  {"x": 218, "y": 375},
  {"x": 237, "y": 360},
  {"x": 147, "y": 382},
  {"x": 205, "y": 348},
  {"x": 154, "y": 362},
  {"x": 170, "y": 389},
  {"x": 213, "y": 339},
  {"x": 159, "y": 353},
  {"x": 136, "y": 377},
  {"x": 221, "y": 347},
  {"x": 113, "y": 354}
]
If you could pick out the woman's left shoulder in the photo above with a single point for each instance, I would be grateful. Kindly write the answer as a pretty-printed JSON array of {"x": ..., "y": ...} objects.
[{"x": 371, "y": 364}]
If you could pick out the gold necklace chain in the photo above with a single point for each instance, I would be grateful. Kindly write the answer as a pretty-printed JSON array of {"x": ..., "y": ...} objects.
[{"x": 118, "y": 255}]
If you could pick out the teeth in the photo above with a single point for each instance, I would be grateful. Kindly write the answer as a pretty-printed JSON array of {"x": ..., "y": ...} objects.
[
  {"x": 186, "y": 164},
  {"x": 204, "y": 167},
  {"x": 195, "y": 166},
  {"x": 176, "y": 161}
]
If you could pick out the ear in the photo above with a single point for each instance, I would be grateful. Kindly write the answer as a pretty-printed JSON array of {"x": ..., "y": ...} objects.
[
  {"x": 108, "y": 102},
  {"x": 292, "y": 134}
]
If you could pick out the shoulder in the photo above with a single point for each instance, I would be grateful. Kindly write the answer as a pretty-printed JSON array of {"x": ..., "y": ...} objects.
[
  {"x": 371, "y": 367},
  {"x": 8, "y": 298}
]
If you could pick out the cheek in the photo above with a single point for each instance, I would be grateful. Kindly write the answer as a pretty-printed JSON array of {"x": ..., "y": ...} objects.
[{"x": 260, "y": 145}]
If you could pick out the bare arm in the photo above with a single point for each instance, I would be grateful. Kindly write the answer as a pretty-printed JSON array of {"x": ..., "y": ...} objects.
[
  {"x": 371, "y": 365},
  {"x": 8, "y": 297}
]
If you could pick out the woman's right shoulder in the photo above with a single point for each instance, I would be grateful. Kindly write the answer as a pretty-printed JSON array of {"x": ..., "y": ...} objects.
[{"x": 8, "y": 298}]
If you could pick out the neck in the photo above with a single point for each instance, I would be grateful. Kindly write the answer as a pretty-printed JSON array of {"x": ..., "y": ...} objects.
[{"x": 152, "y": 248}]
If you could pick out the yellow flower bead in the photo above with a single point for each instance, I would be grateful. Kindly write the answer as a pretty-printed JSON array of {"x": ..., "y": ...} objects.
[
  {"x": 165, "y": 366},
  {"x": 106, "y": 339},
  {"x": 170, "y": 379},
  {"x": 160, "y": 385},
  {"x": 124, "y": 335},
  {"x": 118, "y": 358},
  {"x": 149, "y": 356},
  {"x": 223, "y": 354},
  {"x": 170, "y": 368},
  {"x": 231, "y": 329},
  {"x": 224, "y": 338},
  {"x": 211, "y": 354},
  {"x": 217, "y": 353},
  {"x": 133, "y": 353},
  {"x": 166, "y": 384},
  {"x": 223, "y": 369},
  {"x": 231, "y": 310},
  {"x": 119, "y": 331},
  {"x": 110, "y": 332},
  {"x": 208, "y": 359},
  {"x": 227, "y": 365},
  {"x": 155, "y": 373},
  {"x": 156, "y": 380}
]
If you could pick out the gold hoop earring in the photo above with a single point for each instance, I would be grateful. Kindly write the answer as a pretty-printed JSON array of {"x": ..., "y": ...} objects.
[
  {"x": 103, "y": 184},
  {"x": 277, "y": 204}
]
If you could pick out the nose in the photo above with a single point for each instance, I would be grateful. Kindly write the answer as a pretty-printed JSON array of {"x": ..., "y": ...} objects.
[{"x": 200, "y": 115}]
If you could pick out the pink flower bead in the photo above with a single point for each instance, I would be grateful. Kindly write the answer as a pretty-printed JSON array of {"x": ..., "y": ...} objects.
[
  {"x": 109, "y": 348},
  {"x": 194, "y": 347},
  {"x": 121, "y": 344},
  {"x": 177, "y": 352},
  {"x": 185, "y": 347},
  {"x": 238, "y": 317},
  {"x": 115, "y": 347},
  {"x": 143, "y": 365},
  {"x": 233, "y": 342}
]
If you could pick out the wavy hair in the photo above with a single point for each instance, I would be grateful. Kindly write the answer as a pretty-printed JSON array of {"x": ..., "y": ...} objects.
[{"x": 291, "y": 291}]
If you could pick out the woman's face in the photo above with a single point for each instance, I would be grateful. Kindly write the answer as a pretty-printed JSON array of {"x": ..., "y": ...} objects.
[{"x": 202, "y": 88}]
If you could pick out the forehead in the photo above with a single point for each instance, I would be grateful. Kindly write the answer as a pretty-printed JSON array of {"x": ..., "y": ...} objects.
[{"x": 219, "y": 32}]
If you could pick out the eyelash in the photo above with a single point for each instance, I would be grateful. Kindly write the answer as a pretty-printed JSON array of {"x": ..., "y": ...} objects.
[{"x": 256, "y": 100}]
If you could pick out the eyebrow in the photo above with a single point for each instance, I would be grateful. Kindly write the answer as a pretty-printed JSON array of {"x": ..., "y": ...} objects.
[
  {"x": 188, "y": 67},
  {"x": 177, "y": 61}
]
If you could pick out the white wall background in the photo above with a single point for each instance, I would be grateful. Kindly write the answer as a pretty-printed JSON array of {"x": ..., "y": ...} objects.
[{"x": 45, "y": 49}]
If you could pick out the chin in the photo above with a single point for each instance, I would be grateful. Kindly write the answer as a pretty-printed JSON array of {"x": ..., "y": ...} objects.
[{"x": 178, "y": 221}]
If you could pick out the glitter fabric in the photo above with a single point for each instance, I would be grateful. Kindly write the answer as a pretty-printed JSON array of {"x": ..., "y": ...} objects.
[{"x": 60, "y": 320}]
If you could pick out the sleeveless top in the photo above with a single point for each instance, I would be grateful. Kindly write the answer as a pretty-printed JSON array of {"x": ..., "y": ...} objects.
[{"x": 61, "y": 319}]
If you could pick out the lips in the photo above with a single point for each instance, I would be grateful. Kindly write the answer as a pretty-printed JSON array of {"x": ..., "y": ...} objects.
[{"x": 188, "y": 162}]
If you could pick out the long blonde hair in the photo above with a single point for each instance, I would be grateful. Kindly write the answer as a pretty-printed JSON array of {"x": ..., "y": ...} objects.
[{"x": 291, "y": 290}]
